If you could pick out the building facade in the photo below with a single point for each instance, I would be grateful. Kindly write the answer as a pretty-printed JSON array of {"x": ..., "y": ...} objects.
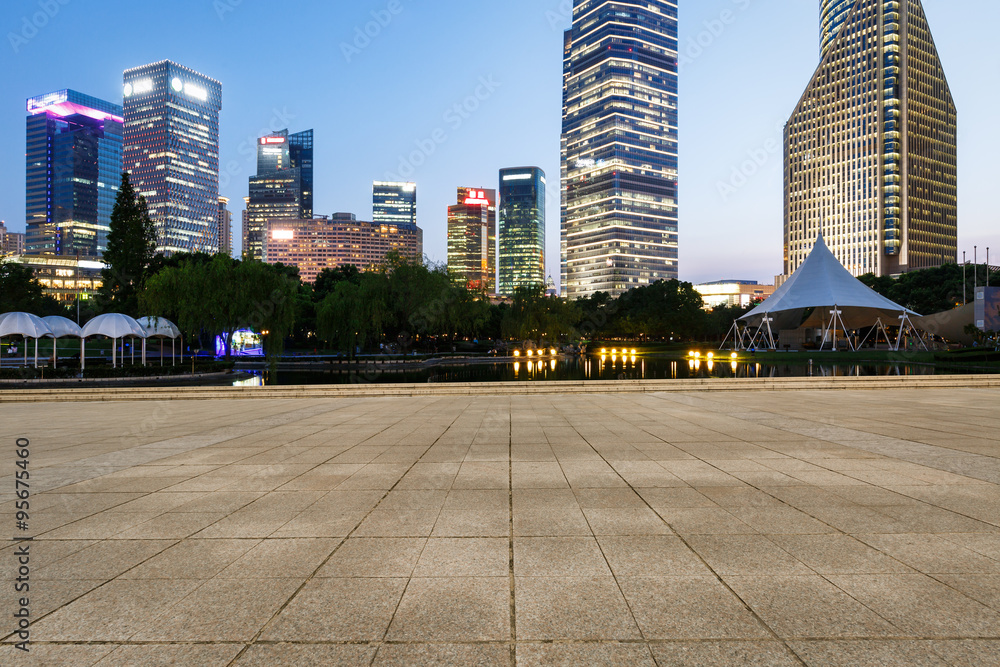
[
  {"x": 225, "y": 232},
  {"x": 871, "y": 149},
  {"x": 395, "y": 204},
  {"x": 66, "y": 278},
  {"x": 282, "y": 189},
  {"x": 11, "y": 243},
  {"x": 742, "y": 293},
  {"x": 73, "y": 169},
  {"x": 521, "y": 252},
  {"x": 327, "y": 243},
  {"x": 472, "y": 239},
  {"x": 619, "y": 146},
  {"x": 172, "y": 152}
]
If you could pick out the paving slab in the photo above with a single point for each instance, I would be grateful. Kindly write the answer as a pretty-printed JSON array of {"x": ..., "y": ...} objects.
[{"x": 805, "y": 526}]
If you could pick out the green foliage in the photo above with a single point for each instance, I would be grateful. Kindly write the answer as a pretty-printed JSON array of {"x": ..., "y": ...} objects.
[
  {"x": 21, "y": 292},
  {"x": 399, "y": 302},
  {"x": 223, "y": 295},
  {"x": 534, "y": 316},
  {"x": 931, "y": 290},
  {"x": 130, "y": 252},
  {"x": 665, "y": 309}
]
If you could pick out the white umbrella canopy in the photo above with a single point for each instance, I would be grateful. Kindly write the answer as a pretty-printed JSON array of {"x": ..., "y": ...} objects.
[
  {"x": 23, "y": 324},
  {"x": 26, "y": 325},
  {"x": 158, "y": 327},
  {"x": 63, "y": 327},
  {"x": 113, "y": 325}
]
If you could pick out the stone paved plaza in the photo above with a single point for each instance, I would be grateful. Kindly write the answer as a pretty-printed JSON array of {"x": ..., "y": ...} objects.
[{"x": 748, "y": 528}]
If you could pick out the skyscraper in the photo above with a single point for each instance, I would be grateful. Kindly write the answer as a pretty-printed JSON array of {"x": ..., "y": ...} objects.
[
  {"x": 282, "y": 188},
  {"x": 619, "y": 146},
  {"x": 395, "y": 204},
  {"x": 522, "y": 229},
  {"x": 225, "y": 221},
  {"x": 871, "y": 148},
  {"x": 172, "y": 152},
  {"x": 472, "y": 236},
  {"x": 74, "y": 164}
]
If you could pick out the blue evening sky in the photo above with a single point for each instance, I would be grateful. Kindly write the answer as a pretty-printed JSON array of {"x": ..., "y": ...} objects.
[{"x": 387, "y": 105}]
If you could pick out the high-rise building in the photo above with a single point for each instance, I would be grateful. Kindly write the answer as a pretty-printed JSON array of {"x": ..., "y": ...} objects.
[
  {"x": 472, "y": 236},
  {"x": 327, "y": 243},
  {"x": 74, "y": 165},
  {"x": 11, "y": 243},
  {"x": 871, "y": 148},
  {"x": 225, "y": 227},
  {"x": 172, "y": 152},
  {"x": 619, "y": 146},
  {"x": 521, "y": 256},
  {"x": 245, "y": 235},
  {"x": 282, "y": 188},
  {"x": 395, "y": 204}
]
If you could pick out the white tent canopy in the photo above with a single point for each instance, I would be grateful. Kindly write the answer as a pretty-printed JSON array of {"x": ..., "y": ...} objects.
[
  {"x": 822, "y": 293},
  {"x": 822, "y": 283},
  {"x": 158, "y": 327},
  {"x": 27, "y": 326},
  {"x": 63, "y": 327},
  {"x": 115, "y": 326}
]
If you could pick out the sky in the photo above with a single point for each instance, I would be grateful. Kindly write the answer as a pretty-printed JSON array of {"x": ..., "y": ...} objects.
[{"x": 447, "y": 93}]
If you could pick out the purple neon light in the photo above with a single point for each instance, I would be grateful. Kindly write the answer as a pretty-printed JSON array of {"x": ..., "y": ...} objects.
[{"x": 64, "y": 109}]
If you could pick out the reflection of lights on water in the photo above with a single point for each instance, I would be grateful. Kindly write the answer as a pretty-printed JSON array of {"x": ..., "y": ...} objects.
[
  {"x": 711, "y": 365},
  {"x": 552, "y": 364},
  {"x": 517, "y": 367},
  {"x": 252, "y": 381},
  {"x": 734, "y": 366}
]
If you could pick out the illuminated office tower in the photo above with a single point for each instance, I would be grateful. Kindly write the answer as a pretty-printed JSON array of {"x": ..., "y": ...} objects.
[
  {"x": 619, "y": 146},
  {"x": 871, "y": 149},
  {"x": 282, "y": 188},
  {"x": 521, "y": 256},
  {"x": 74, "y": 165},
  {"x": 472, "y": 236},
  {"x": 172, "y": 152},
  {"x": 395, "y": 204}
]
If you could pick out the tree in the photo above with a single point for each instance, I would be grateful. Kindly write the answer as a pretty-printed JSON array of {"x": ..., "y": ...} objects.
[
  {"x": 21, "y": 292},
  {"x": 225, "y": 295},
  {"x": 130, "y": 252}
]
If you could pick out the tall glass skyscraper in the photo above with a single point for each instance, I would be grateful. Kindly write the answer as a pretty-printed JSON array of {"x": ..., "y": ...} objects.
[
  {"x": 522, "y": 229},
  {"x": 395, "y": 205},
  {"x": 619, "y": 146},
  {"x": 871, "y": 156},
  {"x": 282, "y": 188},
  {"x": 74, "y": 164},
  {"x": 472, "y": 238},
  {"x": 172, "y": 152}
]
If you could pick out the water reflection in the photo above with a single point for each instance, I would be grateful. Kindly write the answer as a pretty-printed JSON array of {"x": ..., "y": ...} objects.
[{"x": 603, "y": 367}]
